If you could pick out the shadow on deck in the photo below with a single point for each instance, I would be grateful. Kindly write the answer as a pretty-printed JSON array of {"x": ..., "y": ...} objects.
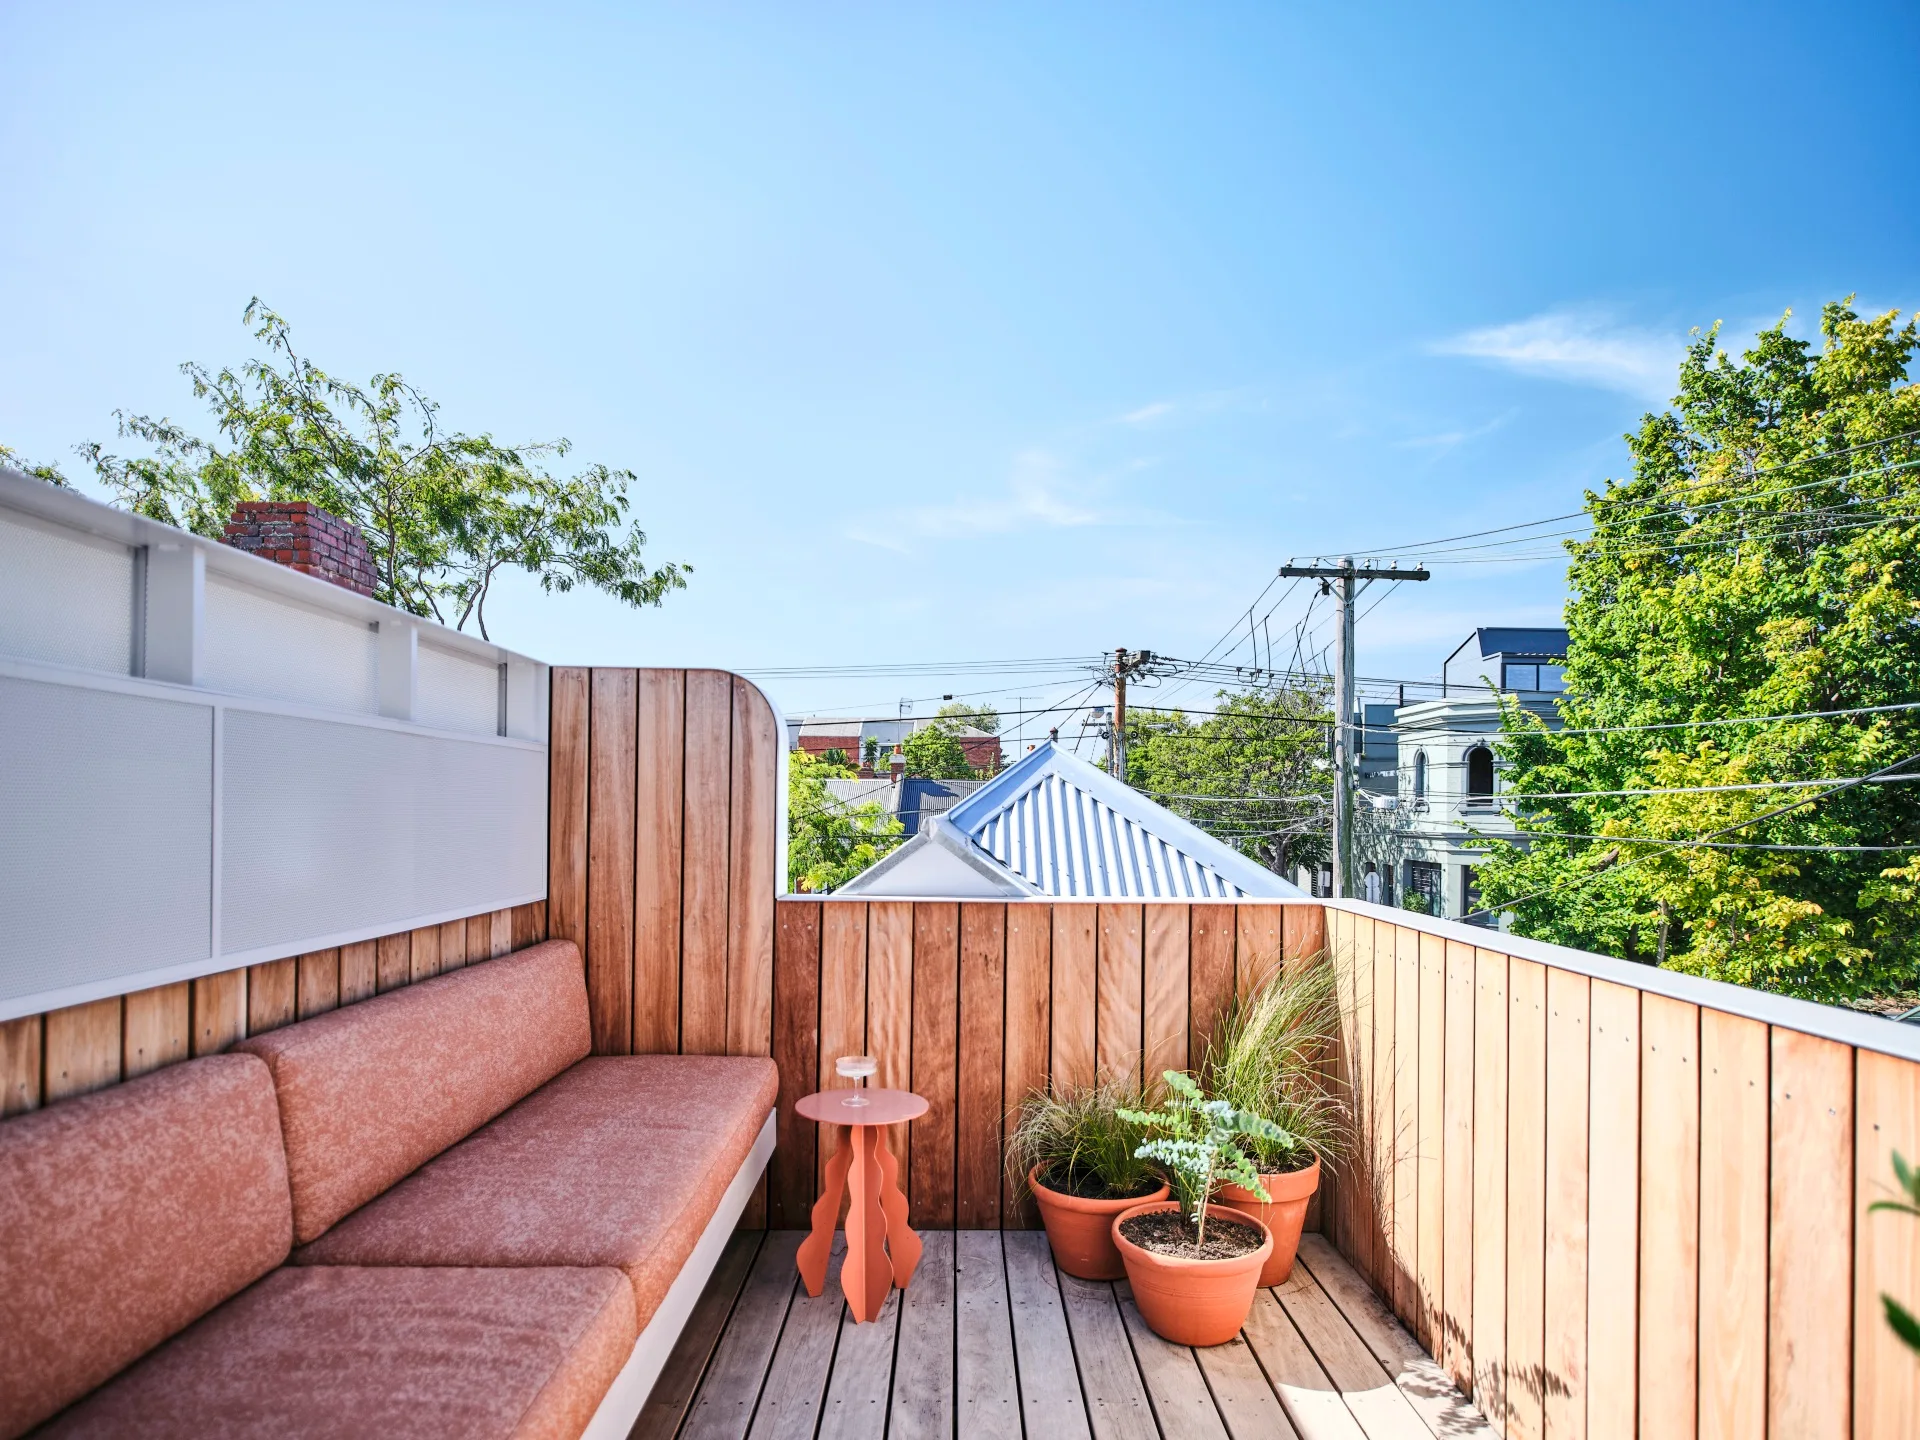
[{"x": 992, "y": 1341}]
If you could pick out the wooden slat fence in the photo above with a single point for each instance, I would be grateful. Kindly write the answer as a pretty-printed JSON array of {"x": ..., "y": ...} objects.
[
  {"x": 1636, "y": 1208},
  {"x": 973, "y": 1004},
  {"x": 63, "y": 1053}
]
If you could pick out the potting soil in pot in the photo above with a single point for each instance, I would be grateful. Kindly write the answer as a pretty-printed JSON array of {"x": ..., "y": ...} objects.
[
  {"x": 1086, "y": 1187},
  {"x": 1168, "y": 1232}
]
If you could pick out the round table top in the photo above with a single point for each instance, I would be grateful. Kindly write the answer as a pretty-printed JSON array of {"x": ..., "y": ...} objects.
[{"x": 883, "y": 1107}]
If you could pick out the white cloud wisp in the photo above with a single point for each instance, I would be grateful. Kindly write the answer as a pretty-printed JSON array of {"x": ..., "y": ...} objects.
[{"x": 1581, "y": 347}]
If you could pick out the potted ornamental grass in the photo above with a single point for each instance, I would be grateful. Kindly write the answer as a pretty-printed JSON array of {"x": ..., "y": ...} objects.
[
  {"x": 1267, "y": 1058},
  {"x": 1076, "y": 1155},
  {"x": 1194, "y": 1265}
]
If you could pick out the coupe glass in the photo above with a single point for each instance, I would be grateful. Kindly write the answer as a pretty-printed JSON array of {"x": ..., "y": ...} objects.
[{"x": 856, "y": 1068}]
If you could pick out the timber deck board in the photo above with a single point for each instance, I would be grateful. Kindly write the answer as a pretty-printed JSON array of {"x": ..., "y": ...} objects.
[{"x": 992, "y": 1341}]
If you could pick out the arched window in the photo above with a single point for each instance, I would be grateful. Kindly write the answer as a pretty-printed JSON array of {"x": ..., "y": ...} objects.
[
  {"x": 1479, "y": 776},
  {"x": 1419, "y": 774}
]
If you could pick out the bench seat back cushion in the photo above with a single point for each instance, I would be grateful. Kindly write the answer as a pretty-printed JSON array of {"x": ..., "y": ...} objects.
[
  {"x": 127, "y": 1215},
  {"x": 371, "y": 1092}
]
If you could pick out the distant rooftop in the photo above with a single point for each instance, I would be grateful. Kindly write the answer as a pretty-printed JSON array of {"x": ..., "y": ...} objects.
[
  {"x": 1051, "y": 824},
  {"x": 1508, "y": 657}
]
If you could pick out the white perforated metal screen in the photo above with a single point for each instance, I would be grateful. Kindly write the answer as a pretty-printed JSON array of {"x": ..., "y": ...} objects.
[
  {"x": 335, "y": 827},
  {"x": 457, "y": 692},
  {"x": 260, "y": 644},
  {"x": 68, "y": 597},
  {"x": 106, "y": 835}
]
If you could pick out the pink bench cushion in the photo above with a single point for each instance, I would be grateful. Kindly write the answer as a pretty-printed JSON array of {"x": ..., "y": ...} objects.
[
  {"x": 341, "y": 1352},
  {"x": 370, "y": 1093},
  {"x": 127, "y": 1215},
  {"x": 621, "y": 1161}
]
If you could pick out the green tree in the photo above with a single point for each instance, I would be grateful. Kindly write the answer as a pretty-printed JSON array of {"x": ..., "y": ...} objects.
[
  {"x": 981, "y": 717},
  {"x": 443, "y": 512},
  {"x": 829, "y": 841},
  {"x": 934, "y": 752},
  {"x": 49, "y": 473},
  {"x": 1758, "y": 561},
  {"x": 1253, "y": 774}
]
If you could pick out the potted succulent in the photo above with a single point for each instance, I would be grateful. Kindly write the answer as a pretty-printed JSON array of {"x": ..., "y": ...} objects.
[
  {"x": 1078, "y": 1158},
  {"x": 1194, "y": 1265},
  {"x": 1266, "y": 1059}
]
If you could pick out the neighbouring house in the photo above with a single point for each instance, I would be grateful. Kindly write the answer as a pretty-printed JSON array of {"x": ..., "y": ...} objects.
[
  {"x": 817, "y": 734},
  {"x": 1052, "y": 825},
  {"x": 908, "y": 800},
  {"x": 1433, "y": 786}
]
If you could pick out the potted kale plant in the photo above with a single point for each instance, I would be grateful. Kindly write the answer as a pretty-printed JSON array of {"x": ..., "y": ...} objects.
[
  {"x": 1194, "y": 1265},
  {"x": 1267, "y": 1058},
  {"x": 1078, "y": 1157}
]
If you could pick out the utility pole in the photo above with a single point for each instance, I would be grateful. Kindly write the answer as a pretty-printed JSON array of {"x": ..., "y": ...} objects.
[
  {"x": 1345, "y": 732},
  {"x": 1126, "y": 663}
]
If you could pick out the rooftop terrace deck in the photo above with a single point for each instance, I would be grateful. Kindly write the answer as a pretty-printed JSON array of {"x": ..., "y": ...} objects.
[{"x": 992, "y": 1341}]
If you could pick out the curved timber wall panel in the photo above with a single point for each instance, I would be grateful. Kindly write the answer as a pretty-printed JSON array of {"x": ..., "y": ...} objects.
[
  {"x": 666, "y": 813},
  {"x": 666, "y": 817}
]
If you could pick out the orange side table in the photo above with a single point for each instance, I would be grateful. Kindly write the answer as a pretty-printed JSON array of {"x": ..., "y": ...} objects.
[{"x": 881, "y": 1251}]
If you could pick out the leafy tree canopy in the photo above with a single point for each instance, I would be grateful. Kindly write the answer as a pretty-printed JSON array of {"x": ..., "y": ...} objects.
[
  {"x": 1253, "y": 774},
  {"x": 934, "y": 752},
  {"x": 1759, "y": 561},
  {"x": 829, "y": 841},
  {"x": 981, "y": 717},
  {"x": 443, "y": 512},
  {"x": 49, "y": 473}
]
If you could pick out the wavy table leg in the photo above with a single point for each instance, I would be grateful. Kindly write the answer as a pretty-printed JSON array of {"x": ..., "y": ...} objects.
[
  {"x": 903, "y": 1246},
  {"x": 817, "y": 1248},
  {"x": 865, "y": 1273}
]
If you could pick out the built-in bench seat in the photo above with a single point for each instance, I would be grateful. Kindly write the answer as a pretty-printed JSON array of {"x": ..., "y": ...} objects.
[
  {"x": 344, "y": 1352},
  {"x": 497, "y": 1235},
  {"x": 618, "y": 1162}
]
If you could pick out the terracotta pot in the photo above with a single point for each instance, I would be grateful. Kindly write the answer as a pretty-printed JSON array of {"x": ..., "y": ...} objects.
[
  {"x": 1080, "y": 1232},
  {"x": 1283, "y": 1216},
  {"x": 1192, "y": 1302}
]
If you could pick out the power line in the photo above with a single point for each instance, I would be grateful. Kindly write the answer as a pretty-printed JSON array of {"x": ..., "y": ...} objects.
[
  {"x": 1761, "y": 470},
  {"x": 1734, "y": 720},
  {"x": 1596, "y": 526},
  {"x": 1663, "y": 547},
  {"x": 1719, "y": 844},
  {"x": 1236, "y": 799},
  {"x": 1702, "y": 789},
  {"x": 1702, "y": 840},
  {"x": 926, "y": 667}
]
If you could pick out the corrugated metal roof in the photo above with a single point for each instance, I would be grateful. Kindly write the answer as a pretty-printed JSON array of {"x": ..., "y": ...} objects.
[{"x": 1070, "y": 829}]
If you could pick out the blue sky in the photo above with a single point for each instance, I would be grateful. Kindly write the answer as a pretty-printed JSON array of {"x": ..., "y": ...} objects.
[{"x": 965, "y": 333}]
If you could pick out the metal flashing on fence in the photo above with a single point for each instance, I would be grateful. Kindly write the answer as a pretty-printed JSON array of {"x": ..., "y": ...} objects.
[{"x": 1849, "y": 1027}]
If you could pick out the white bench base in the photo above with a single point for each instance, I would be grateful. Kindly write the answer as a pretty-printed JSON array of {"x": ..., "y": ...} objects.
[{"x": 622, "y": 1404}]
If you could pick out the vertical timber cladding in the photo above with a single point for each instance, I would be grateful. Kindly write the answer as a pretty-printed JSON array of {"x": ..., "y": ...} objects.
[
  {"x": 975, "y": 1004},
  {"x": 81, "y": 1048},
  {"x": 662, "y": 853},
  {"x": 1632, "y": 1213}
]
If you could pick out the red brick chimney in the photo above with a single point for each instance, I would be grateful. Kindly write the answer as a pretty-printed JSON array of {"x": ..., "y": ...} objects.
[{"x": 301, "y": 536}]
